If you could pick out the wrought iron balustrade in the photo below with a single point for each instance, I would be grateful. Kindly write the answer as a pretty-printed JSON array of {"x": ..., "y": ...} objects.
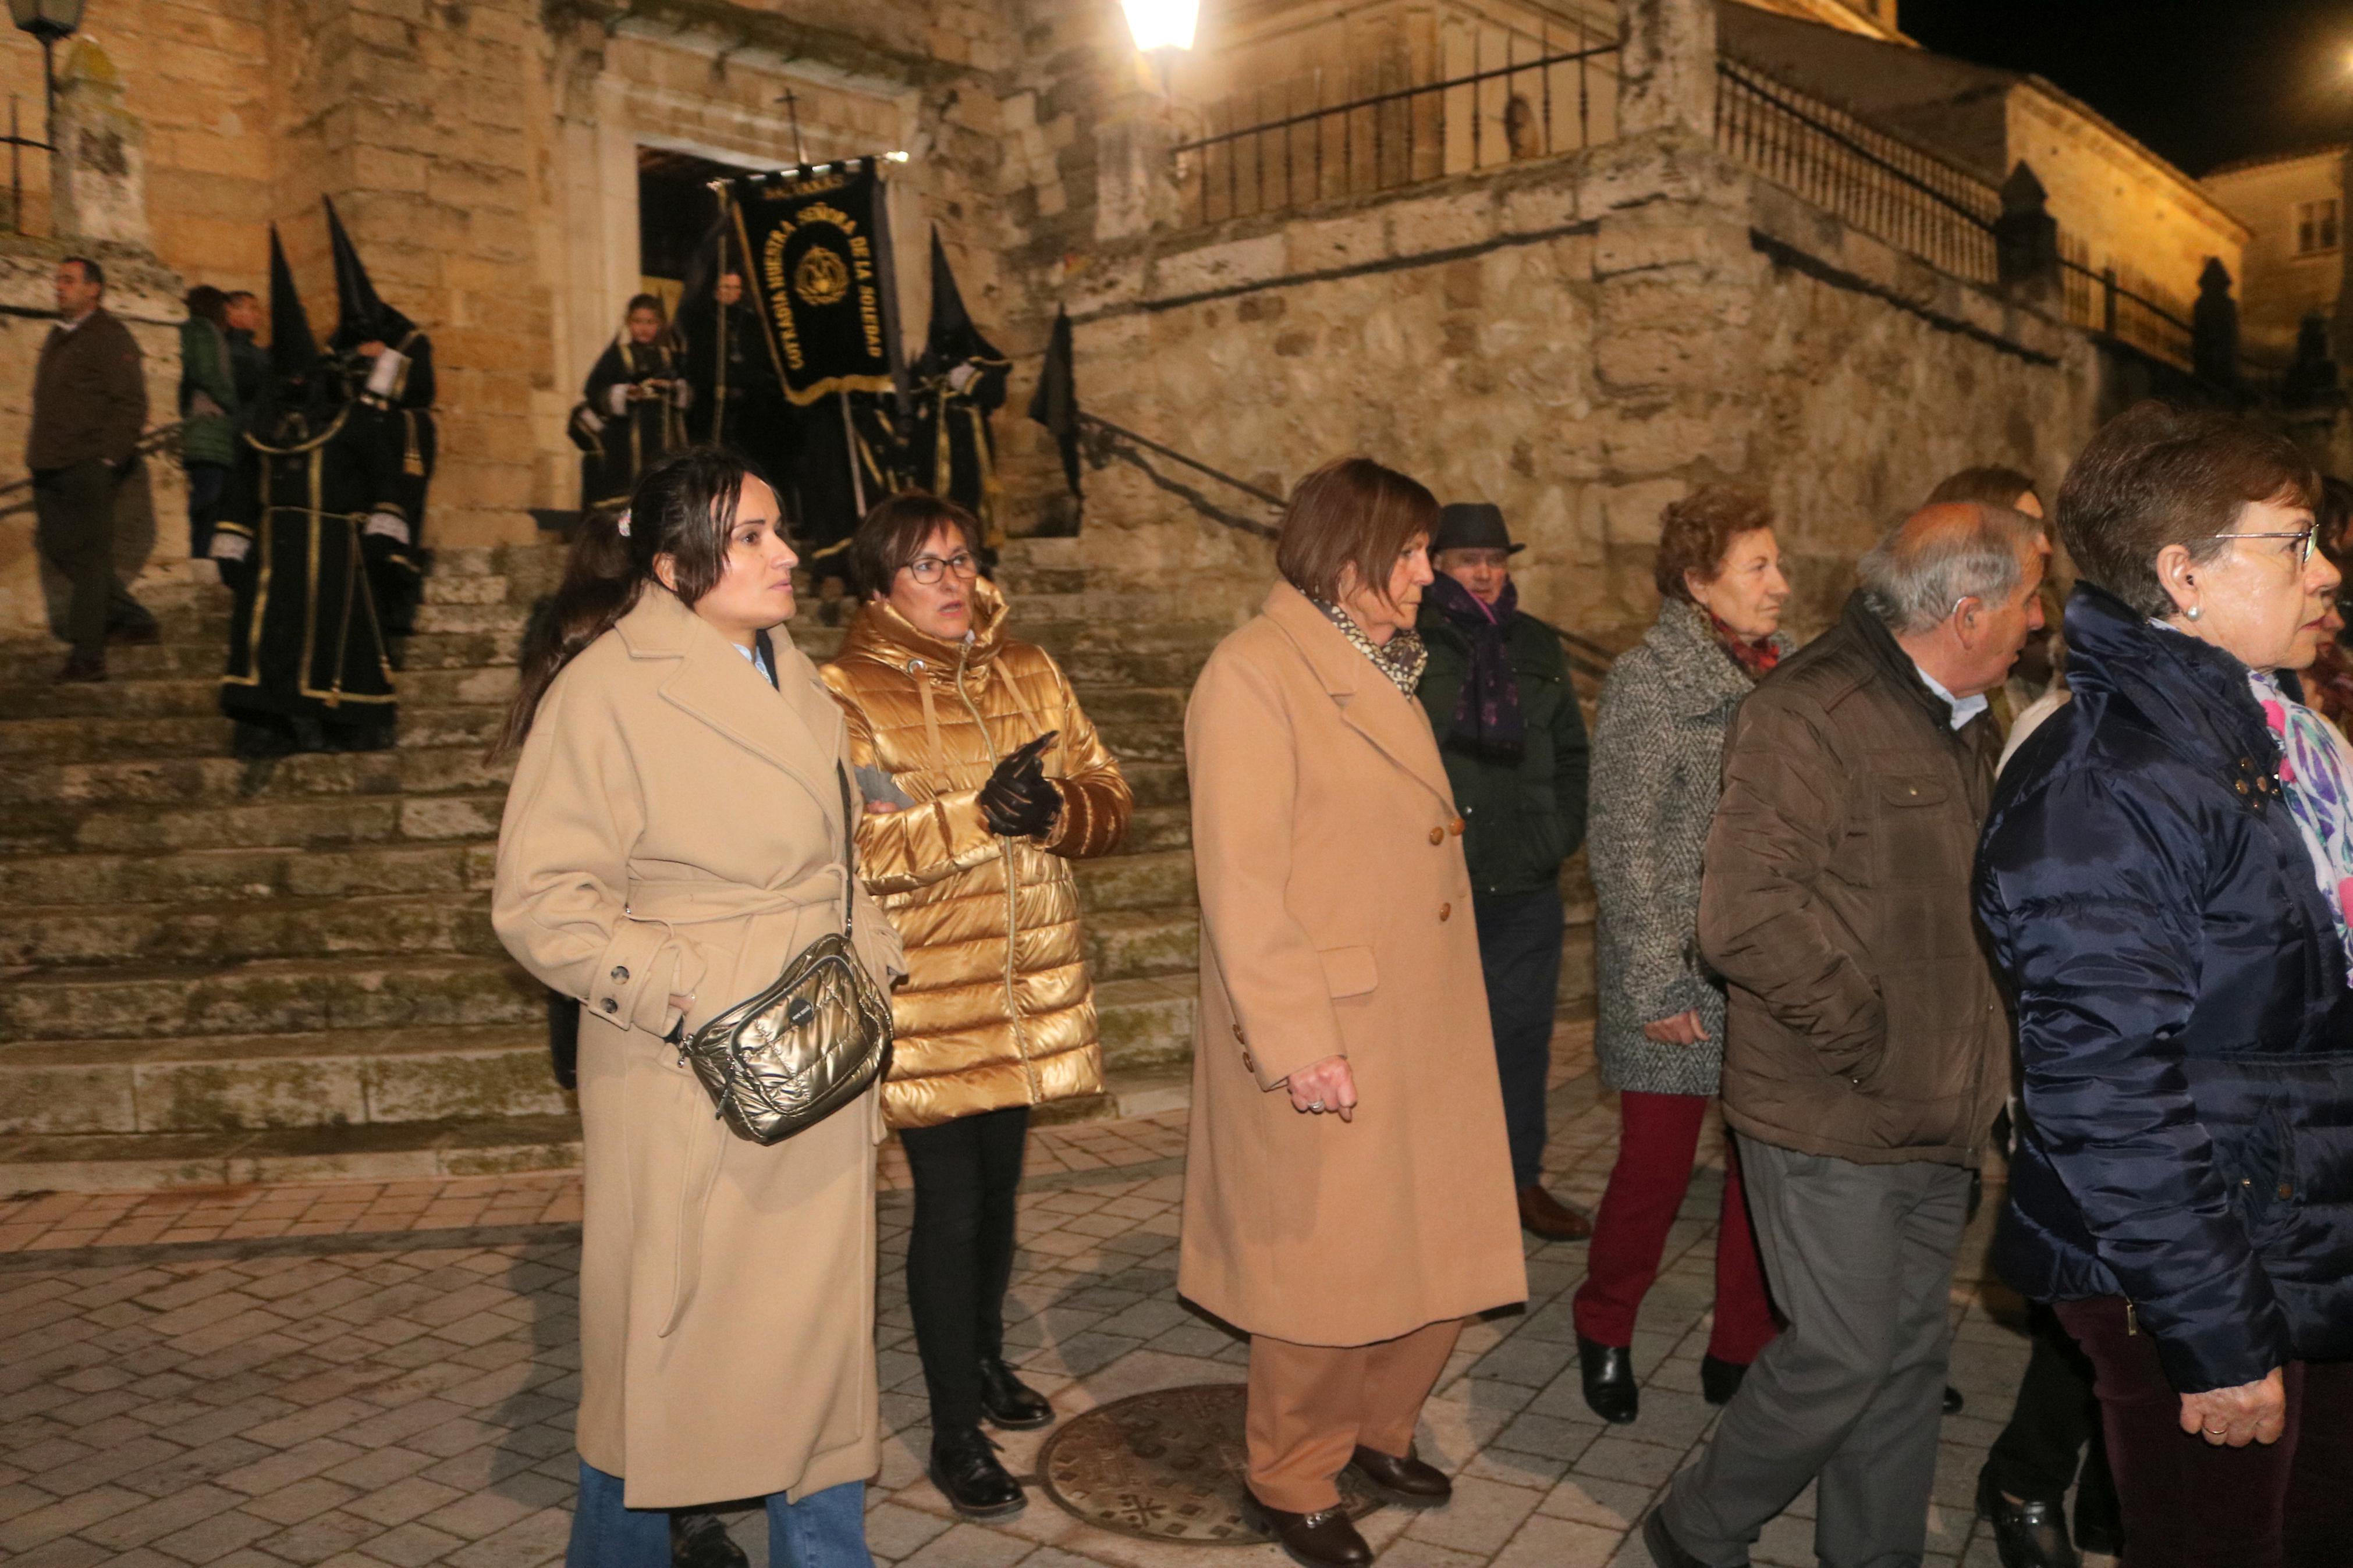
[
  {"x": 1287, "y": 146},
  {"x": 1884, "y": 186}
]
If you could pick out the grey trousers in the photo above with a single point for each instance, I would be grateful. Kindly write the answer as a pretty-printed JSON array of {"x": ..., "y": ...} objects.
[{"x": 1860, "y": 1260}]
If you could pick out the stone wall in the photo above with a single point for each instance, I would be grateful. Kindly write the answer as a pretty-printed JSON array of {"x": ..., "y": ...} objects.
[
  {"x": 1580, "y": 342},
  {"x": 2281, "y": 283}
]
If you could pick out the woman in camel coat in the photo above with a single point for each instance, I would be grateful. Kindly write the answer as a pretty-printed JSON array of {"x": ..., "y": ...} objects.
[
  {"x": 673, "y": 838},
  {"x": 1348, "y": 1187}
]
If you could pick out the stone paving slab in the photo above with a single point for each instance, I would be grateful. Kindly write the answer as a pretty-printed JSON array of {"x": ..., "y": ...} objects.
[{"x": 386, "y": 1378}]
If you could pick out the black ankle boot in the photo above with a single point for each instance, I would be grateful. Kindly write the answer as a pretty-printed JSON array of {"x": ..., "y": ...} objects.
[
  {"x": 1607, "y": 1373},
  {"x": 1720, "y": 1380},
  {"x": 1011, "y": 1405},
  {"x": 964, "y": 1468}
]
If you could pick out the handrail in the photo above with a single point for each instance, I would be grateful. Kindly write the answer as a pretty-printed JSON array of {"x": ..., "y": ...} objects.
[
  {"x": 16, "y": 495},
  {"x": 1773, "y": 93}
]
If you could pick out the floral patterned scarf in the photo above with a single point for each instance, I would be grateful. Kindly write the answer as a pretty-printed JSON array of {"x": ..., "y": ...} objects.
[
  {"x": 1755, "y": 660},
  {"x": 1402, "y": 658},
  {"x": 2317, "y": 771}
]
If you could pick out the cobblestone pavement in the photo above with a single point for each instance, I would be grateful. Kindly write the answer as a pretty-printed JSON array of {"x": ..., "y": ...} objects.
[{"x": 384, "y": 1376}]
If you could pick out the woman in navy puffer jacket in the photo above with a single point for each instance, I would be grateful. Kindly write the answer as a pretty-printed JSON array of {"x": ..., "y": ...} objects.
[{"x": 2164, "y": 876}]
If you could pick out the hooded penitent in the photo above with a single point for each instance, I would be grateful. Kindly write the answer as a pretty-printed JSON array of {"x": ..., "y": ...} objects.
[
  {"x": 395, "y": 384},
  {"x": 307, "y": 666},
  {"x": 959, "y": 383}
]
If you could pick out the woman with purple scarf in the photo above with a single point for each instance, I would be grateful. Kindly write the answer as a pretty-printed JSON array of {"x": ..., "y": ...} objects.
[{"x": 1508, "y": 727}]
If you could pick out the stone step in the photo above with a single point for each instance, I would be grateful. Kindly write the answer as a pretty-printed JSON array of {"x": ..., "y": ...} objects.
[
  {"x": 92, "y": 739},
  {"x": 267, "y": 997},
  {"x": 183, "y": 781},
  {"x": 215, "y": 872},
  {"x": 257, "y": 1081},
  {"x": 235, "y": 931},
  {"x": 109, "y": 1163},
  {"x": 193, "y": 696},
  {"x": 1146, "y": 880},
  {"x": 266, "y": 820}
]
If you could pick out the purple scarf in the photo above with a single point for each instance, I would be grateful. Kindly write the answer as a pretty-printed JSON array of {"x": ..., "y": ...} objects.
[{"x": 1487, "y": 715}]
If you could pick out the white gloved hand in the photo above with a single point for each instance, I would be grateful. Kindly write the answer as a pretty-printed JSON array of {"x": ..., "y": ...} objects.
[
  {"x": 620, "y": 398},
  {"x": 387, "y": 525},
  {"x": 681, "y": 393},
  {"x": 962, "y": 376},
  {"x": 388, "y": 365},
  {"x": 229, "y": 546}
]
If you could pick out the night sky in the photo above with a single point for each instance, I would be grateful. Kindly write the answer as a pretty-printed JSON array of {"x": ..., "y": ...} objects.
[{"x": 2202, "y": 83}]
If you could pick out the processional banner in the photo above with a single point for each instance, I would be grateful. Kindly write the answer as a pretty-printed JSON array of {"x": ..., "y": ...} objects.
[{"x": 817, "y": 240}]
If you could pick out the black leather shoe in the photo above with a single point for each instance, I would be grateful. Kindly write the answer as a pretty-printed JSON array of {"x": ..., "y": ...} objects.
[
  {"x": 1324, "y": 1539},
  {"x": 1011, "y": 1405},
  {"x": 1608, "y": 1372},
  {"x": 1720, "y": 1380},
  {"x": 1664, "y": 1549},
  {"x": 964, "y": 1468},
  {"x": 1953, "y": 1401},
  {"x": 2108, "y": 1540},
  {"x": 699, "y": 1538},
  {"x": 1407, "y": 1482},
  {"x": 2026, "y": 1534}
]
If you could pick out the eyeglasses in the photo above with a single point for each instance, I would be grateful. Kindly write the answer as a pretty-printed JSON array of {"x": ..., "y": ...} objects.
[
  {"x": 926, "y": 569},
  {"x": 2306, "y": 538}
]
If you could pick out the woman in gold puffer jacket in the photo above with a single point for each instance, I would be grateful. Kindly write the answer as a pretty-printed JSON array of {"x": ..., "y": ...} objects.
[{"x": 970, "y": 827}]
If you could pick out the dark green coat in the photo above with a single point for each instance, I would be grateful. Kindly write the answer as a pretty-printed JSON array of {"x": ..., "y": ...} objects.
[{"x": 1521, "y": 820}]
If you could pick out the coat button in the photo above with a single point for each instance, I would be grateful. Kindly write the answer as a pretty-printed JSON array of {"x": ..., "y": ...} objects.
[
  {"x": 1437, "y": 835},
  {"x": 1445, "y": 911},
  {"x": 2240, "y": 786},
  {"x": 2285, "y": 1191},
  {"x": 1248, "y": 1065},
  {"x": 1238, "y": 1031},
  {"x": 610, "y": 1006},
  {"x": 621, "y": 975},
  {"x": 1458, "y": 827}
]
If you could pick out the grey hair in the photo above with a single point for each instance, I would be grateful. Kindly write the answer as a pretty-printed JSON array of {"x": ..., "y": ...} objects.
[{"x": 1913, "y": 584}]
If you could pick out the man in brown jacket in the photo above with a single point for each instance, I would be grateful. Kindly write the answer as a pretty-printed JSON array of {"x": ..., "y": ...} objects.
[
  {"x": 89, "y": 402},
  {"x": 1867, "y": 1048}
]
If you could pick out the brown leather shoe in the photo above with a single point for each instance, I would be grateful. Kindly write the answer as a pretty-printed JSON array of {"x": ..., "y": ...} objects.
[
  {"x": 81, "y": 666},
  {"x": 1324, "y": 1539},
  {"x": 1407, "y": 1482},
  {"x": 1547, "y": 1217}
]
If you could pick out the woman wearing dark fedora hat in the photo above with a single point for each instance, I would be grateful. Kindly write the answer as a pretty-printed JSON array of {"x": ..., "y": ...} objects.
[{"x": 1498, "y": 696}]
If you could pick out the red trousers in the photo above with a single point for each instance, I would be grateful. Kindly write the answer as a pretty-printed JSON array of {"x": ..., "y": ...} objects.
[{"x": 1658, "y": 1139}]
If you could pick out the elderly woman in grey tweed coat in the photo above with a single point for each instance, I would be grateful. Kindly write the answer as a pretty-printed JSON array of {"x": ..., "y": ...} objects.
[{"x": 1656, "y": 757}]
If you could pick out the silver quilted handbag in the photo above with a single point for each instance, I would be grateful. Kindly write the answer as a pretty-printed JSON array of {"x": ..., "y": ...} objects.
[{"x": 782, "y": 1061}]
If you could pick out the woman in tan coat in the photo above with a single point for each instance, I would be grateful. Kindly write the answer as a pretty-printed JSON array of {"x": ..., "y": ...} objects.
[
  {"x": 675, "y": 835},
  {"x": 1348, "y": 1194},
  {"x": 984, "y": 781}
]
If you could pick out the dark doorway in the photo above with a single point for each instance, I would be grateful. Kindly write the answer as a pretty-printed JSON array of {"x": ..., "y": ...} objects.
[{"x": 675, "y": 211}]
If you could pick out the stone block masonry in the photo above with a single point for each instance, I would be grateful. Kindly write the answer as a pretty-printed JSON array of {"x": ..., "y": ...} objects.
[{"x": 1581, "y": 341}]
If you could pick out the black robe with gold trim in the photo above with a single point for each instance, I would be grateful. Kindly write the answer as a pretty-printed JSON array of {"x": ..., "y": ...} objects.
[
  {"x": 395, "y": 566},
  {"x": 307, "y": 660},
  {"x": 615, "y": 448}
]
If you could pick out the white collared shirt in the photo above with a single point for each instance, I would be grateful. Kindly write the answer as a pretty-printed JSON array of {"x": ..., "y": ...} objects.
[
  {"x": 752, "y": 656},
  {"x": 1964, "y": 708}
]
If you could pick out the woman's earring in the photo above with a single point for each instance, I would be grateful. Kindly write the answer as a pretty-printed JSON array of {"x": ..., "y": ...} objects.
[{"x": 2193, "y": 612}]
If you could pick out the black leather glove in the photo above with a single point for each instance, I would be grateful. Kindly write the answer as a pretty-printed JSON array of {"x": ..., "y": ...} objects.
[{"x": 1019, "y": 800}]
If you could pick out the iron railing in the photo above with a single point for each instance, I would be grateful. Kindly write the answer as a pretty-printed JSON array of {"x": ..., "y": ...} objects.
[
  {"x": 1885, "y": 187},
  {"x": 2124, "y": 304},
  {"x": 1286, "y": 145}
]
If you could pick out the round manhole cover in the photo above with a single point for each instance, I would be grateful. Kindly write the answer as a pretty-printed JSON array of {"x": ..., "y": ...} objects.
[{"x": 1166, "y": 1466}]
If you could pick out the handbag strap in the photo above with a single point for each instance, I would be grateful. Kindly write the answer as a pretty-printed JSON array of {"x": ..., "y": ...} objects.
[{"x": 849, "y": 852}]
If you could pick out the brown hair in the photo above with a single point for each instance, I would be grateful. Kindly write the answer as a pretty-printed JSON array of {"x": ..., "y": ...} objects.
[
  {"x": 644, "y": 303},
  {"x": 895, "y": 532},
  {"x": 1695, "y": 531},
  {"x": 684, "y": 507},
  {"x": 206, "y": 303},
  {"x": 1990, "y": 485},
  {"x": 2156, "y": 475},
  {"x": 1350, "y": 513}
]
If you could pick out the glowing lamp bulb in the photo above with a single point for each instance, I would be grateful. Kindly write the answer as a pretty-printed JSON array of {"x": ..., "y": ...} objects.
[{"x": 1162, "y": 24}]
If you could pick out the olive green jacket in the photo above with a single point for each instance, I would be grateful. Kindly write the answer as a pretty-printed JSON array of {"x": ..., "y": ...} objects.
[{"x": 1521, "y": 819}]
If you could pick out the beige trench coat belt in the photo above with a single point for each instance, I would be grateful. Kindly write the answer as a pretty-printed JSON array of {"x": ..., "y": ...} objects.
[{"x": 676, "y": 902}]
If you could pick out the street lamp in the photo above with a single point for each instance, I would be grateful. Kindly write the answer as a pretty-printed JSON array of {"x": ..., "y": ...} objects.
[
  {"x": 47, "y": 20},
  {"x": 1162, "y": 29}
]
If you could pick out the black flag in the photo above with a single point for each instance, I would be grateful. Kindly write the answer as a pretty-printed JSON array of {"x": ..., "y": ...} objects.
[
  {"x": 1055, "y": 404},
  {"x": 819, "y": 252}
]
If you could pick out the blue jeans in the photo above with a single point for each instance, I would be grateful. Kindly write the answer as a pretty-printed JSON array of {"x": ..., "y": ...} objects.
[{"x": 824, "y": 1529}]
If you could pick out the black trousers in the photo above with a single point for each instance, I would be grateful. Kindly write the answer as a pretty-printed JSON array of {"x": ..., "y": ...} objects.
[
  {"x": 960, "y": 1255},
  {"x": 1519, "y": 950},
  {"x": 2055, "y": 1422},
  {"x": 73, "y": 511}
]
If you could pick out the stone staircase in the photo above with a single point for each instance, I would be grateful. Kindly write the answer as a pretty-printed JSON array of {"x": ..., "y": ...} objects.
[{"x": 213, "y": 972}]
